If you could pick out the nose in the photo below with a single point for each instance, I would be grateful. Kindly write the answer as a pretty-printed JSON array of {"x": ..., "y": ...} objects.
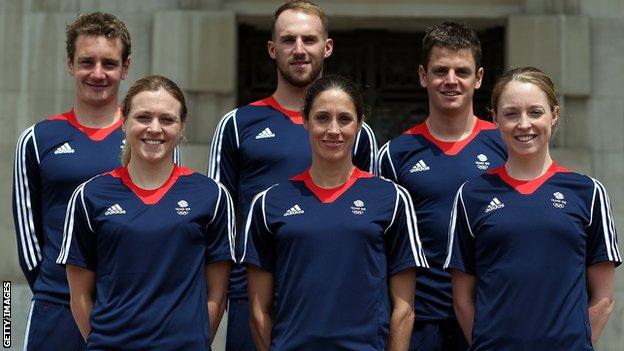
[
  {"x": 333, "y": 127},
  {"x": 154, "y": 126},
  {"x": 98, "y": 71},
  {"x": 451, "y": 77},
  {"x": 298, "y": 48},
  {"x": 524, "y": 122}
]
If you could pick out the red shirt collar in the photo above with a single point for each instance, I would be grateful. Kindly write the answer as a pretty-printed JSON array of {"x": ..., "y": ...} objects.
[
  {"x": 150, "y": 196},
  {"x": 330, "y": 195},
  {"x": 95, "y": 134},
  {"x": 527, "y": 187},
  {"x": 451, "y": 148},
  {"x": 295, "y": 116}
]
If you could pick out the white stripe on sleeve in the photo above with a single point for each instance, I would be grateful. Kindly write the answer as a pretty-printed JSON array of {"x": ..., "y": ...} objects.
[
  {"x": 214, "y": 163},
  {"x": 31, "y": 250}
]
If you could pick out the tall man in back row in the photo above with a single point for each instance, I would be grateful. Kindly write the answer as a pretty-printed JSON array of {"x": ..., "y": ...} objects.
[
  {"x": 53, "y": 157},
  {"x": 257, "y": 145},
  {"x": 432, "y": 160}
]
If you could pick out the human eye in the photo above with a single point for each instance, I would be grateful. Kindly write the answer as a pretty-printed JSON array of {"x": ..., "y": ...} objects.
[
  {"x": 111, "y": 64},
  {"x": 346, "y": 118},
  {"x": 321, "y": 117},
  {"x": 510, "y": 114},
  {"x": 168, "y": 120},
  {"x": 310, "y": 39},
  {"x": 464, "y": 72},
  {"x": 537, "y": 112},
  {"x": 85, "y": 62},
  {"x": 439, "y": 71},
  {"x": 288, "y": 39}
]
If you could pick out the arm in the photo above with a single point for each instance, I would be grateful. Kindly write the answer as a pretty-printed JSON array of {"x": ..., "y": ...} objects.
[
  {"x": 82, "y": 295},
  {"x": 464, "y": 288},
  {"x": 365, "y": 150},
  {"x": 385, "y": 166},
  {"x": 260, "y": 286},
  {"x": 217, "y": 276},
  {"x": 27, "y": 206},
  {"x": 402, "y": 286},
  {"x": 600, "y": 278}
]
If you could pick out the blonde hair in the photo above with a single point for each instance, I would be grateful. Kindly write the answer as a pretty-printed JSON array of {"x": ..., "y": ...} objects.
[
  {"x": 530, "y": 75},
  {"x": 300, "y": 5},
  {"x": 150, "y": 83}
]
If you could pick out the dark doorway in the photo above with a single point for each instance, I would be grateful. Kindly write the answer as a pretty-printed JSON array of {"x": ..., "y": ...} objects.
[{"x": 384, "y": 62}]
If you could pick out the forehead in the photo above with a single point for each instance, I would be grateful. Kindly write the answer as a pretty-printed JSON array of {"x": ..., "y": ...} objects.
[
  {"x": 333, "y": 98},
  {"x": 159, "y": 101},
  {"x": 441, "y": 56},
  {"x": 98, "y": 45},
  {"x": 522, "y": 93},
  {"x": 295, "y": 22}
]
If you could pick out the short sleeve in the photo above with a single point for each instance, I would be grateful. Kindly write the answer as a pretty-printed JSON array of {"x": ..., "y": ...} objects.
[
  {"x": 602, "y": 242},
  {"x": 403, "y": 247},
  {"x": 365, "y": 150},
  {"x": 79, "y": 239},
  {"x": 221, "y": 229},
  {"x": 461, "y": 243},
  {"x": 259, "y": 242}
]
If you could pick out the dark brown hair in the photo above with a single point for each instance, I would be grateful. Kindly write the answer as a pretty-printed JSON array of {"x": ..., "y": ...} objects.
[
  {"x": 454, "y": 36},
  {"x": 96, "y": 24},
  {"x": 335, "y": 82}
]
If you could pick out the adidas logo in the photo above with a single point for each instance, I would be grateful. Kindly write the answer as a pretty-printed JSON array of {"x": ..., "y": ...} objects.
[
  {"x": 495, "y": 204},
  {"x": 420, "y": 166},
  {"x": 115, "y": 209},
  {"x": 295, "y": 210},
  {"x": 265, "y": 134},
  {"x": 64, "y": 149}
]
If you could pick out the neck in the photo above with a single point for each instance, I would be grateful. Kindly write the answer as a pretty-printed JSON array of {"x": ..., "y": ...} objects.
[
  {"x": 528, "y": 167},
  {"x": 97, "y": 117},
  {"x": 451, "y": 126},
  {"x": 148, "y": 175},
  {"x": 289, "y": 96},
  {"x": 330, "y": 174}
]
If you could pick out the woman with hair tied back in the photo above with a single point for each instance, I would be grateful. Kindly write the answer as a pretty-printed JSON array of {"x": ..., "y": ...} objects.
[
  {"x": 335, "y": 246},
  {"x": 532, "y": 245},
  {"x": 148, "y": 246}
]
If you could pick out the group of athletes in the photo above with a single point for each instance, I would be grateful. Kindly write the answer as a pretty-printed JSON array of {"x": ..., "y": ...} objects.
[{"x": 459, "y": 234}]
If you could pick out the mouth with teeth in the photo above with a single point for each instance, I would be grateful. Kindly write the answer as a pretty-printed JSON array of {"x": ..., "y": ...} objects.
[
  {"x": 153, "y": 141},
  {"x": 450, "y": 93},
  {"x": 525, "y": 138},
  {"x": 333, "y": 143}
]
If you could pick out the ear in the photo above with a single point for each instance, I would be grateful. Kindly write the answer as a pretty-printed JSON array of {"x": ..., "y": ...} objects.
[
  {"x": 479, "y": 78},
  {"x": 422, "y": 74},
  {"x": 329, "y": 47},
  {"x": 555, "y": 116},
  {"x": 125, "y": 67},
  {"x": 493, "y": 113},
  {"x": 306, "y": 124},
  {"x": 271, "y": 49},
  {"x": 70, "y": 66}
]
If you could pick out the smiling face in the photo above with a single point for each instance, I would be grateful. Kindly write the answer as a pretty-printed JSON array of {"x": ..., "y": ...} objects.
[
  {"x": 299, "y": 47},
  {"x": 451, "y": 78},
  {"x": 525, "y": 118},
  {"x": 97, "y": 69},
  {"x": 153, "y": 126},
  {"x": 333, "y": 126}
]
